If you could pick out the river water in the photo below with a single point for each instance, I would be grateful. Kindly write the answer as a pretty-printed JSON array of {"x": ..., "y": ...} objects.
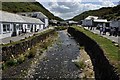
[{"x": 57, "y": 62}]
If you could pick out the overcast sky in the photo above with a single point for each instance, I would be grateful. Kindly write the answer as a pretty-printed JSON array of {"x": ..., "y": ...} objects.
[{"x": 67, "y": 9}]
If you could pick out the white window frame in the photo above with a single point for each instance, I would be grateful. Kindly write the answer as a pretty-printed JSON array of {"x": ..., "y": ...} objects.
[{"x": 6, "y": 26}]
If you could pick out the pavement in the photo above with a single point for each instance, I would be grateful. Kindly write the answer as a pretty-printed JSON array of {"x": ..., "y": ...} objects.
[
  {"x": 112, "y": 38},
  {"x": 18, "y": 38}
]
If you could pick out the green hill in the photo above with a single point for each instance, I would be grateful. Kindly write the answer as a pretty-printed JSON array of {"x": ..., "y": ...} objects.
[
  {"x": 105, "y": 13},
  {"x": 15, "y": 7}
]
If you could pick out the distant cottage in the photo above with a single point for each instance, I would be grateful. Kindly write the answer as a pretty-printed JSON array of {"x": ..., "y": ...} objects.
[
  {"x": 94, "y": 21},
  {"x": 14, "y": 24},
  {"x": 89, "y": 20}
]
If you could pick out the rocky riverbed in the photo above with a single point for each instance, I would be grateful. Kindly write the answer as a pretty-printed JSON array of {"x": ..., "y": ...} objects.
[{"x": 57, "y": 61}]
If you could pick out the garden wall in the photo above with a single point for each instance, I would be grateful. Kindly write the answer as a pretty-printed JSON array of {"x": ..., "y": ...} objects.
[{"x": 102, "y": 68}]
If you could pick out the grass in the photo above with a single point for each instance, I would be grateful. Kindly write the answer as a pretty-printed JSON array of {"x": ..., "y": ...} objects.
[
  {"x": 80, "y": 64},
  {"x": 110, "y": 50},
  {"x": 60, "y": 28}
]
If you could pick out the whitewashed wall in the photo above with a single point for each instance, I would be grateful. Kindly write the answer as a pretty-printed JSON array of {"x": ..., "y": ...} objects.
[
  {"x": 87, "y": 22},
  {"x": 114, "y": 24},
  {"x": 24, "y": 27},
  {"x": 46, "y": 23},
  {"x": 41, "y": 27}
]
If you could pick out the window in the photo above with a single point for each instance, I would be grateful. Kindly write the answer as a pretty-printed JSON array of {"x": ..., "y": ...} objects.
[
  {"x": 20, "y": 27},
  {"x": 28, "y": 26},
  {"x": 6, "y": 28}
]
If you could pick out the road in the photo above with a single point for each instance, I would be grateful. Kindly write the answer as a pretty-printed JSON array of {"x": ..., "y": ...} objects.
[{"x": 57, "y": 62}]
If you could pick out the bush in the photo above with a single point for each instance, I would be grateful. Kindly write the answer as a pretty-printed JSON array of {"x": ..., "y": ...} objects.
[
  {"x": 11, "y": 62},
  {"x": 60, "y": 28},
  {"x": 32, "y": 53},
  {"x": 80, "y": 64},
  {"x": 3, "y": 66},
  {"x": 21, "y": 59}
]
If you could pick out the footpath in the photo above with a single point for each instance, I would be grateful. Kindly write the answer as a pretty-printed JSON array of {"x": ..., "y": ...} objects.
[{"x": 112, "y": 38}]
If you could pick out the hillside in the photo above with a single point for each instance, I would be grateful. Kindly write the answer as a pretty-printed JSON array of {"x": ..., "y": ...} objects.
[
  {"x": 105, "y": 13},
  {"x": 15, "y": 7}
]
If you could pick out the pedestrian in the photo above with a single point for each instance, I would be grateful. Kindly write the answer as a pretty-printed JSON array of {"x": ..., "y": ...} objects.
[
  {"x": 113, "y": 32},
  {"x": 104, "y": 31},
  {"x": 118, "y": 31},
  {"x": 110, "y": 31},
  {"x": 101, "y": 29}
]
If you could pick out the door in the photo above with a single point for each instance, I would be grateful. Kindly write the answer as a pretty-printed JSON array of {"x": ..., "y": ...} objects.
[{"x": 14, "y": 30}]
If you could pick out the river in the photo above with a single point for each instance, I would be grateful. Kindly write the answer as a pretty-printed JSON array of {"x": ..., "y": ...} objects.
[{"x": 57, "y": 62}]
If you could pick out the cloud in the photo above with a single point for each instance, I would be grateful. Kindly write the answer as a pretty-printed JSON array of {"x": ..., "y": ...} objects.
[
  {"x": 71, "y": 8},
  {"x": 107, "y": 4}
]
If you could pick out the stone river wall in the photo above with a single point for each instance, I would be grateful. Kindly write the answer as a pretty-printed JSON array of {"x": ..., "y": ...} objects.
[
  {"x": 102, "y": 68},
  {"x": 19, "y": 48}
]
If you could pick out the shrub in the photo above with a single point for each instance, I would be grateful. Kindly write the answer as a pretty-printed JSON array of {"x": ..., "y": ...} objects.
[
  {"x": 21, "y": 59},
  {"x": 60, "y": 28},
  {"x": 11, "y": 62},
  {"x": 3, "y": 66},
  {"x": 80, "y": 64},
  {"x": 32, "y": 53}
]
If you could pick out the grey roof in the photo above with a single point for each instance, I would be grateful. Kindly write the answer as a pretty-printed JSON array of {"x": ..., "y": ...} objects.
[
  {"x": 91, "y": 17},
  {"x": 39, "y": 14},
  {"x": 11, "y": 17},
  {"x": 32, "y": 20}
]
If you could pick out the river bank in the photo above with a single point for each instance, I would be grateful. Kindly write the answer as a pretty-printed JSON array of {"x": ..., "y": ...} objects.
[{"x": 21, "y": 70}]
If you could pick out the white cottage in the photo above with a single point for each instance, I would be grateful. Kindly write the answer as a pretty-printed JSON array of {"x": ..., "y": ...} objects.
[
  {"x": 9, "y": 24},
  {"x": 89, "y": 20},
  {"x": 101, "y": 22},
  {"x": 32, "y": 24},
  {"x": 38, "y": 15},
  {"x": 13, "y": 24}
]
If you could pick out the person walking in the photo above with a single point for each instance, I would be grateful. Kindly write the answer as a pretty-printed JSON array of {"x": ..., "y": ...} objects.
[
  {"x": 104, "y": 32},
  {"x": 101, "y": 29},
  {"x": 113, "y": 31},
  {"x": 118, "y": 31},
  {"x": 110, "y": 31}
]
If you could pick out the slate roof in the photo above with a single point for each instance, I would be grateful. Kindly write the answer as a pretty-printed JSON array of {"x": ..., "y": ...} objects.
[
  {"x": 32, "y": 20},
  {"x": 11, "y": 17},
  {"x": 91, "y": 17},
  {"x": 39, "y": 14}
]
